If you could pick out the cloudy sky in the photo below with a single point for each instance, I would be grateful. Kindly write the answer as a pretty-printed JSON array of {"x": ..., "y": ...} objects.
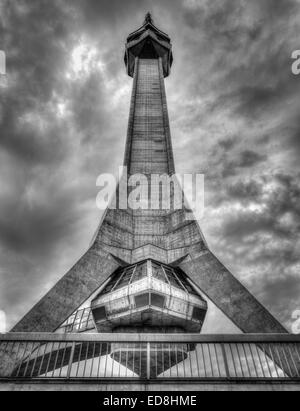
[{"x": 234, "y": 110}]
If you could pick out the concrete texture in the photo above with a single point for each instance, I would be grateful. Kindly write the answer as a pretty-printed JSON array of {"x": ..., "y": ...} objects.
[
  {"x": 69, "y": 293},
  {"x": 165, "y": 235}
]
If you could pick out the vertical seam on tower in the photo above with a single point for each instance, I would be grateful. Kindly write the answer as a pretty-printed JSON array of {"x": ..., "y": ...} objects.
[
  {"x": 128, "y": 150},
  {"x": 171, "y": 166}
]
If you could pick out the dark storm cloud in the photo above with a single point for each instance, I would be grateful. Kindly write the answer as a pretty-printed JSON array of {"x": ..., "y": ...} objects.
[
  {"x": 251, "y": 48},
  {"x": 261, "y": 223},
  {"x": 234, "y": 110},
  {"x": 33, "y": 62},
  {"x": 245, "y": 159},
  {"x": 227, "y": 144},
  {"x": 290, "y": 131},
  {"x": 226, "y": 162},
  {"x": 249, "y": 190},
  {"x": 47, "y": 176},
  {"x": 276, "y": 197}
]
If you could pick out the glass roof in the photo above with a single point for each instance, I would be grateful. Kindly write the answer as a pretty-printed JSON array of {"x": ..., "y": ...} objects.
[{"x": 128, "y": 275}]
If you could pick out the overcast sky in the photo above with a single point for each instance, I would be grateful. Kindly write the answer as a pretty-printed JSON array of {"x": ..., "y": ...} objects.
[{"x": 235, "y": 116}]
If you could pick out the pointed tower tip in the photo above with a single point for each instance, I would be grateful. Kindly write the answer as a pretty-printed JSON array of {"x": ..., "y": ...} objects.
[
  {"x": 148, "y": 42},
  {"x": 148, "y": 18}
]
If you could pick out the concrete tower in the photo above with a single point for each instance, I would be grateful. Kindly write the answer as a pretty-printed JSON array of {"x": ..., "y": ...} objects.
[
  {"x": 144, "y": 267},
  {"x": 132, "y": 308}
]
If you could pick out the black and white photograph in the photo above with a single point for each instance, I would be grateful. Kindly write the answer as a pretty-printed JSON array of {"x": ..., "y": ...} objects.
[{"x": 149, "y": 198}]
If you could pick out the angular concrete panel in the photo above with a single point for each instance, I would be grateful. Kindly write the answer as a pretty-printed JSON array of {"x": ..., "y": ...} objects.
[
  {"x": 91, "y": 271},
  {"x": 229, "y": 295}
]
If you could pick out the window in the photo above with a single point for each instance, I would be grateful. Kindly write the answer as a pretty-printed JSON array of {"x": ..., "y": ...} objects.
[
  {"x": 125, "y": 280},
  {"x": 141, "y": 300},
  {"x": 99, "y": 313},
  {"x": 157, "y": 300},
  {"x": 198, "y": 314},
  {"x": 113, "y": 282},
  {"x": 140, "y": 272},
  {"x": 171, "y": 277},
  {"x": 158, "y": 273}
]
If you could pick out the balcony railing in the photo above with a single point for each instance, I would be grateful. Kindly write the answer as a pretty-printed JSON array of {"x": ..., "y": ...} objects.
[{"x": 183, "y": 357}]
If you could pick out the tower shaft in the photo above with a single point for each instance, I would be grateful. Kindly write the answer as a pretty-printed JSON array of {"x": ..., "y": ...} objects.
[{"x": 148, "y": 147}]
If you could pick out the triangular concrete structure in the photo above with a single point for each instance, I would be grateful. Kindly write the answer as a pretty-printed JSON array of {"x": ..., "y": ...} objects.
[{"x": 127, "y": 237}]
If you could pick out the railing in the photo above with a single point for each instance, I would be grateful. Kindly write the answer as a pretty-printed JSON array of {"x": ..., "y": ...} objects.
[{"x": 149, "y": 357}]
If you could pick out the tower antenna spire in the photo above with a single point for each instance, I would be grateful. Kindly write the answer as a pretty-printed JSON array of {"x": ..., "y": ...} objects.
[{"x": 148, "y": 18}]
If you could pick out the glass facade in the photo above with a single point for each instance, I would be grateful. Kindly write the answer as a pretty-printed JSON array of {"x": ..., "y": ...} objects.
[
  {"x": 80, "y": 321},
  {"x": 146, "y": 294},
  {"x": 126, "y": 276}
]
